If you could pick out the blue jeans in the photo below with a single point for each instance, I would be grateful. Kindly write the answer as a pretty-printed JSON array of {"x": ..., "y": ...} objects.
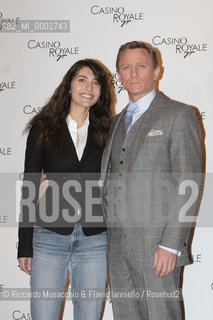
[{"x": 85, "y": 259}]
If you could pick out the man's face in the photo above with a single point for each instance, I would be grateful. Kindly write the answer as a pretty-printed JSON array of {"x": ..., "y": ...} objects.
[{"x": 136, "y": 73}]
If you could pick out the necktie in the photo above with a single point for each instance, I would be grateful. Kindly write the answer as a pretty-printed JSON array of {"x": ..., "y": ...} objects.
[{"x": 128, "y": 117}]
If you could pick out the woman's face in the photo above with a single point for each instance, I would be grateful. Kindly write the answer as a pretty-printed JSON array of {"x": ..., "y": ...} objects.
[{"x": 85, "y": 89}]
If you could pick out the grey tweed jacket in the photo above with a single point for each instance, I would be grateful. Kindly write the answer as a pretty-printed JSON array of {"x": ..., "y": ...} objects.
[{"x": 160, "y": 174}]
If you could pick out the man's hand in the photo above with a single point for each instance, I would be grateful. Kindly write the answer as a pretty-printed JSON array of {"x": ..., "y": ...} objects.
[
  {"x": 164, "y": 262},
  {"x": 25, "y": 264}
]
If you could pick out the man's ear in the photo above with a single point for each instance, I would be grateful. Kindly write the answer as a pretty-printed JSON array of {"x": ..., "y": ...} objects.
[
  {"x": 119, "y": 77},
  {"x": 156, "y": 73}
]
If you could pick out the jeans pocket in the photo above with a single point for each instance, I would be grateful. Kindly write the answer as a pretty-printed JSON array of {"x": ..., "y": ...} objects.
[{"x": 39, "y": 230}]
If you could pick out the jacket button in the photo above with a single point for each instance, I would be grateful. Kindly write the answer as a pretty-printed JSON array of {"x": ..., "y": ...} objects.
[
  {"x": 123, "y": 149},
  {"x": 121, "y": 162}
]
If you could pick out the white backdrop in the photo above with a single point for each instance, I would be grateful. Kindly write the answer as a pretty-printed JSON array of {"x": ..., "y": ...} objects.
[{"x": 35, "y": 54}]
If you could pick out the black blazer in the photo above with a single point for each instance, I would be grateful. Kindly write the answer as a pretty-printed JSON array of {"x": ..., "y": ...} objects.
[{"x": 73, "y": 182}]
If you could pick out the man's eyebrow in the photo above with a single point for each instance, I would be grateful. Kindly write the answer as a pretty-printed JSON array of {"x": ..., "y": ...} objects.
[
  {"x": 128, "y": 63},
  {"x": 124, "y": 64}
]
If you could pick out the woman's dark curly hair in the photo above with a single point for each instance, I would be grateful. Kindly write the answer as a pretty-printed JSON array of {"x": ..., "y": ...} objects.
[{"x": 52, "y": 115}]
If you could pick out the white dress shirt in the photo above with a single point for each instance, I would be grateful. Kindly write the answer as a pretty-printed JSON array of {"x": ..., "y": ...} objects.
[
  {"x": 80, "y": 133},
  {"x": 143, "y": 105}
]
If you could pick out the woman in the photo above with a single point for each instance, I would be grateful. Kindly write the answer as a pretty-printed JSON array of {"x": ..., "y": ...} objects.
[{"x": 65, "y": 142}]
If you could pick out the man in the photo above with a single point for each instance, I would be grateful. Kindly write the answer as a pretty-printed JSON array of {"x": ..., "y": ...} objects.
[{"x": 151, "y": 171}]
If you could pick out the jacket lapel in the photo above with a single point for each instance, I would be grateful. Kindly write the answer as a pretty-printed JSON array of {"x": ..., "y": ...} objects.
[
  {"x": 108, "y": 147},
  {"x": 136, "y": 135},
  {"x": 67, "y": 146},
  {"x": 142, "y": 126},
  {"x": 89, "y": 143}
]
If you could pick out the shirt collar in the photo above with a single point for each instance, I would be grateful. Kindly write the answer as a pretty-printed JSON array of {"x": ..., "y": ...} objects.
[
  {"x": 73, "y": 124},
  {"x": 144, "y": 102}
]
